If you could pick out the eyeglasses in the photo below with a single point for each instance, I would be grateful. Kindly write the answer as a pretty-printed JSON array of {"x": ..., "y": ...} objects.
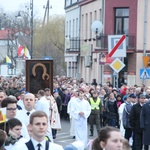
[{"x": 11, "y": 109}]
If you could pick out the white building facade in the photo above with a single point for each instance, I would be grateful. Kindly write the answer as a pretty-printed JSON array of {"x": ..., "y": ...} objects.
[{"x": 72, "y": 36}]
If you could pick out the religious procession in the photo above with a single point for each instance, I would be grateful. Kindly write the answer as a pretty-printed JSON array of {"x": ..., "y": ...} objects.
[{"x": 103, "y": 113}]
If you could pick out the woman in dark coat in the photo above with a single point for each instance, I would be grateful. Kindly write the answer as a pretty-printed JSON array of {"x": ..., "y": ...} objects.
[{"x": 112, "y": 113}]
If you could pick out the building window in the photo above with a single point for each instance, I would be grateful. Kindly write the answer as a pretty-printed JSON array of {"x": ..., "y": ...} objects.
[
  {"x": 100, "y": 14},
  {"x": 77, "y": 32},
  {"x": 67, "y": 3},
  {"x": 86, "y": 26},
  {"x": 82, "y": 26},
  {"x": 122, "y": 21},
  {"x": 90, "y": 24},
  {"x": 95, "y": 15},
  {"x": 73, "y": 29},
  {"x": 70, "y": 27}
]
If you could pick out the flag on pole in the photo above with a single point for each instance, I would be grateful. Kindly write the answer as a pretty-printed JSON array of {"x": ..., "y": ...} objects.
[
  {"x": 20, "y": 50},
  {"x": 26, "y": 53},
  {"x": 8, "y": 60}
]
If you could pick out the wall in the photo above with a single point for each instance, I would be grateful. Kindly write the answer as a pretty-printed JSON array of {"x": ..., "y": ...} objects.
[
  {"x": 109, "y": 15},
  {"x": 93, "y": 12},
  {"x": 72, "y": 14},
  {"x": 110, "y": 6},
  {"x": 140, "y": 25},
  {"x": 140, "y": 37},
  {"x": 72, "y": 30}
]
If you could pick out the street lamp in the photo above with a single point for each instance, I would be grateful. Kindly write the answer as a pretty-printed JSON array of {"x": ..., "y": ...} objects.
[{"x": 31, "y": 26}]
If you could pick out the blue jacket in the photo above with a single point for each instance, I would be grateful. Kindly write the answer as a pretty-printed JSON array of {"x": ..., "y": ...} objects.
[{"x": 126, "y": 114}]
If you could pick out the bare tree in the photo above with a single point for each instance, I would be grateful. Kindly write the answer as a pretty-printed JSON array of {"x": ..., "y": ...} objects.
[{"x": 49, "y": 41}]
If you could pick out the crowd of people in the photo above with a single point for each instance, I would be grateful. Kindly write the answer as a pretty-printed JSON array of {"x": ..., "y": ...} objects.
[{"x": 34, "y": 119}]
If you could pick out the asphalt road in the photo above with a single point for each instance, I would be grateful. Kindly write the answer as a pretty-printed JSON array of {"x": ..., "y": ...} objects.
[{"x": 63, "y": 136}]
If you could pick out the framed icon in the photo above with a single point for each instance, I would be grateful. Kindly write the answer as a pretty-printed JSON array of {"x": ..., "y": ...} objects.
[{"x": 39, "y": 75}]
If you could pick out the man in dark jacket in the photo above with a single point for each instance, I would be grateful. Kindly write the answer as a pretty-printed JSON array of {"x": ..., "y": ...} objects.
[
  {"x": 15, "y": 89},
  {"x": 134, "y": 120},
  {"x": 145, "y": 124}
]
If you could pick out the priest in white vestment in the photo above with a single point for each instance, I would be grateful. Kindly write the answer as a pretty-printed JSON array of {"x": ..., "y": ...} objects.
[
  {"x": 69, "y": 108},
  {"x": 80, "y": 112}
]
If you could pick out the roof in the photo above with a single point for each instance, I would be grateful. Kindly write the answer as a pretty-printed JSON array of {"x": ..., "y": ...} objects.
[{"x": 3, "y": 34}]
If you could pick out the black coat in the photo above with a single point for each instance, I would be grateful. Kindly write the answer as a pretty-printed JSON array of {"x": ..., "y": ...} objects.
[
  {"x": 145, "y": 123},
  {"x": 134, "y": 118},
  {"x": 13, "y": 91},
  {"x": 59, "y": 103}
]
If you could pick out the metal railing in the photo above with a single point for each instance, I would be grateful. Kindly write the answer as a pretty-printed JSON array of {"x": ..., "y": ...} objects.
[
  {"x": 74, "y": 44},
  {"x": 102, "y": 42}
]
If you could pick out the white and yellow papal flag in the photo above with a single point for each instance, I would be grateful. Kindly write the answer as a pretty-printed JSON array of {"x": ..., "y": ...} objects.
[{"x": 2, "y": 115}]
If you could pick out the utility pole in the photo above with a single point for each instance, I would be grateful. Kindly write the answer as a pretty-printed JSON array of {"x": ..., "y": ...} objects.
[
  {"x": 47, "y": 11},
  {"x": 31, "y": 25},
  {"x": 46, "y": 14}
]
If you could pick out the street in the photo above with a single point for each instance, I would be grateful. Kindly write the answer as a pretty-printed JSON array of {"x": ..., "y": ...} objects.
[{"x": 63, "y": 137}]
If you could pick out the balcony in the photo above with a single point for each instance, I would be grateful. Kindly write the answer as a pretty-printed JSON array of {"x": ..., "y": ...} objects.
[
  {"x": 102, "y": 42},
  {"x": 70, "y": 3},
  {"x": 74, "y": 45}
]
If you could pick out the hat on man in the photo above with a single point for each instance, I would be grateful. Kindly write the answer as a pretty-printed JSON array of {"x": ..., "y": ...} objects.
[
  {"x": 132, "y": 96},
  {"x": 142, "y": 96},
  {"x": 125, "y": 97},
  {"x": 114, "y": 89}
]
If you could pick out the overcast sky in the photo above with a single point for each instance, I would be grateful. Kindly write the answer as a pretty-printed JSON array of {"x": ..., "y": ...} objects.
[{"x": 16, "y": 5}]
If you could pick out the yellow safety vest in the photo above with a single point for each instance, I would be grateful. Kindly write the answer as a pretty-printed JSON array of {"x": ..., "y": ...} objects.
[{"x": 95, "y": 105}]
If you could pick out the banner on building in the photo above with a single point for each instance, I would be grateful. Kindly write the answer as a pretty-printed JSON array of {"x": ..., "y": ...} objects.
[
  {"x": 85, "y": 50},
  {"x": 67, "y": 43},
  {"x": 107, "y": 77},
  {"x": 131, "y": 79}
]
